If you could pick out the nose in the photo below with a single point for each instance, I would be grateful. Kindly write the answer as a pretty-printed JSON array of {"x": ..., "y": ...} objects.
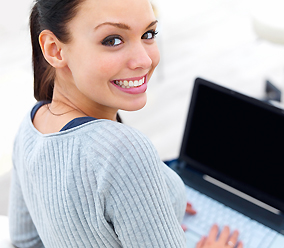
[{"x": 140, "y": 57}]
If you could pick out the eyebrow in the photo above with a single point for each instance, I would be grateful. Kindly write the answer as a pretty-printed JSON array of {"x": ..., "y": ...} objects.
[
  {"x": 122, "y": 25},
  {"x": 152, "y": 24}
]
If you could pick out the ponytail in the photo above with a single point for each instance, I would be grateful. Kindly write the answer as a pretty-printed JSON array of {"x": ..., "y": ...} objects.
[
  {"x": 44, "y": 73},
  {"x": 52, "y": 15}
]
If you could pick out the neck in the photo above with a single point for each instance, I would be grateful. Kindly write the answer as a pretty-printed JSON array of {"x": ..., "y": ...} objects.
[{"x": 63, "y": 101}]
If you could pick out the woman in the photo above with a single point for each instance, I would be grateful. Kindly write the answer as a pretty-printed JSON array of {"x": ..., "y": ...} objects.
[{"x": 80, "y": 178}]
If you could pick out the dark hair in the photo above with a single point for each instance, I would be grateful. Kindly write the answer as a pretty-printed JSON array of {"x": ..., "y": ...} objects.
[{"x": 52, "y": 15}]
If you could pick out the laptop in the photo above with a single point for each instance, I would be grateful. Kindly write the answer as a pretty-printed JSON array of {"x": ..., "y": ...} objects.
[{"x": 232, "y": 154}]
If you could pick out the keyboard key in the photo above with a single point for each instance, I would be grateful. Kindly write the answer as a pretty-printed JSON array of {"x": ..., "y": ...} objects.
[
  {"x": 209, "y": 212},
  {"x": 255, "y": 241},
  {"x": 197, "y": 230}
]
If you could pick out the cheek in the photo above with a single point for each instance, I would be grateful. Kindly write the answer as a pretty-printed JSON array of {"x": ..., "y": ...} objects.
[
  {"x": 107, "y": 64},
  {"x": 89, "y": 63},
  {"x": 96, "y": 69}
]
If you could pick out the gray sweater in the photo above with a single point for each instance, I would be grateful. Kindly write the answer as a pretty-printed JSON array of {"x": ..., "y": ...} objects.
[{"x": 100, "y": 184}]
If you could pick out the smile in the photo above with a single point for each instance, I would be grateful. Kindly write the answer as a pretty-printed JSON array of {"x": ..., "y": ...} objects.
[{"x": 126, "y": 84}]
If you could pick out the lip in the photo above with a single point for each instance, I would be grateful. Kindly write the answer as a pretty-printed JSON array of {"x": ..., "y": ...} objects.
[{"x": 133, "y": 90}]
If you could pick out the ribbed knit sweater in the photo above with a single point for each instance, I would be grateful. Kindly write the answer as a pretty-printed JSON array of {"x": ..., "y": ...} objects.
[{"x": 100, "y": 184}]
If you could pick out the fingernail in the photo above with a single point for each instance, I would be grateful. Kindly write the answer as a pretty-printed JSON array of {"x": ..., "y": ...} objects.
[{"x": 184, "y": 228}]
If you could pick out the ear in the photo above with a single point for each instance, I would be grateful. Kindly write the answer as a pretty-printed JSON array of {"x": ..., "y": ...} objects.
[{"x": 52, "y": 49}]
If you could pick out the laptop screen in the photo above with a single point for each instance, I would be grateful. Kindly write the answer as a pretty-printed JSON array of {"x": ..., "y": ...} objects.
[{"x": 238, "y": 140}]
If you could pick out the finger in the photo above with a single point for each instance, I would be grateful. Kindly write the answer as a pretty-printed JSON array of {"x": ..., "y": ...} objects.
[
  {"x": 189, "y": 209},
  {"x": 240, "y": 245},
  {"x": 232, "y": 241},
  {"x": 212, "y": 234},
  {"x": 201, "y": 242},
  {"x": 224, "y": 235},
  {"x": 184, "y": 227}
]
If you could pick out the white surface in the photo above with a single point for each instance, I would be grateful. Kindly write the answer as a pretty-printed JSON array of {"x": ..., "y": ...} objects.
[
  {"x": 4, "y": 232},
  {"x": 268, "y": 20},
  {"x": 5, "y": 190}
]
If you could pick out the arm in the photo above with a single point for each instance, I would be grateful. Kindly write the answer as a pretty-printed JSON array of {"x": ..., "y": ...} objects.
[
  {"x": 22, "y": 230},
  {"x": 138, "y": 202}
]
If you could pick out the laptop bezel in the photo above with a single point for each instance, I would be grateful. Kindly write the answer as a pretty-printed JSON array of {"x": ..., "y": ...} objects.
[{"x": 190, "y": 163}]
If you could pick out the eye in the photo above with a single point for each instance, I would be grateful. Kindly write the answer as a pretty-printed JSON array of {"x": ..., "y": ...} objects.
[
  {"x": 112, "y": 41},
  {"x": 151, "y": 34}
]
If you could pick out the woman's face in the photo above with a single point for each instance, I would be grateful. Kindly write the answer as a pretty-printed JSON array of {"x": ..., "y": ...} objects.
[{"x": 111, "y": 53}]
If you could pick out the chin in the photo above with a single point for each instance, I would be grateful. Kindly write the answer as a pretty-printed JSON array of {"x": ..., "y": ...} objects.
[{"x": 135, "y": 105}]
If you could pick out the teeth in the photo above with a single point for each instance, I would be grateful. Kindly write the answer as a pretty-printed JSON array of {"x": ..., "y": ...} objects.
[{"x": 129, "y": 84}]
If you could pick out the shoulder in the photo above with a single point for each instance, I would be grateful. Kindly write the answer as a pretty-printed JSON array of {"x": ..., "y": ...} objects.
[
  {"x": 110, "y": 133},
  {"x": 115, "y": 146}
]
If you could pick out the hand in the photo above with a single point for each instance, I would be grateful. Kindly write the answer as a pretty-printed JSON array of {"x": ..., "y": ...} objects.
[
  {"x": 225, "y": 240},
  {"x": 189, "y": 210}
]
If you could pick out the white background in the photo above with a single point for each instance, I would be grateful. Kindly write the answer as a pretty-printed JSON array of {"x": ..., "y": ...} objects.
[{"x": 213, "y": 39}]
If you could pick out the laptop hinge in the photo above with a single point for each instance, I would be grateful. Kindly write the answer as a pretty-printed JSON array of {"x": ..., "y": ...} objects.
[{"x": 241, "y": 194}]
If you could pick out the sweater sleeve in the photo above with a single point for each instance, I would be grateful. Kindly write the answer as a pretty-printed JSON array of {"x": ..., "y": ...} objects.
[
  {"x": 136, "y": 196},
  {"x": 22, "y": 230}
]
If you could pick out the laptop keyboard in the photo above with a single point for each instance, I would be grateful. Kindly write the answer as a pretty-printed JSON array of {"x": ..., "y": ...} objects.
[{"x": 209, "y": 212}]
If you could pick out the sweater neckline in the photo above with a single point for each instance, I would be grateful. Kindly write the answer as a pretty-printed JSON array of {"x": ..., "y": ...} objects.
[{"x": 72, "y": 125}]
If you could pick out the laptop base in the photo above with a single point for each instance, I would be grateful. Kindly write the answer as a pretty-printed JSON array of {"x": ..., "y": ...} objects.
[{"x": 195, "y": 180}]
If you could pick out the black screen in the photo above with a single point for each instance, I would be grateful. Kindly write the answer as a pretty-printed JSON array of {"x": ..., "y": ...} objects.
[{"x": 238, "y": 140}]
